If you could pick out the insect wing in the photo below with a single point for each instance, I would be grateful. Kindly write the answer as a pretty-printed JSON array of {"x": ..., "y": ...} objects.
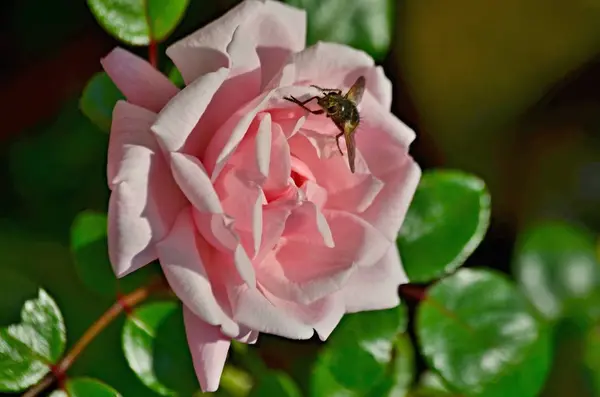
[
  {"x": 350, "y": 147},
  {"x": 355, "y": 92}
]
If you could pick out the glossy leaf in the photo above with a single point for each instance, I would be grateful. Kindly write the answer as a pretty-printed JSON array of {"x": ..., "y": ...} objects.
[
  {"x": 362, "y": 346},
  {"x": 98, "y": 100},
  {"x": 476, "y": 330},
  {"x": 30, "y": 260},
  {"x": 366, "y": 355},
  {"x": 138, "y": 22},
  {"x": 156, "y": 349},
  {"x": 275, "y": 384},
  {"x": 366, "y": 25},
  {"x": 28, "y": 349},
  {"x": 89, "y": 246},
  {"x": 85, "y": 387},
  {"x": 371, "y": 326},
  {"x": 399, "y": 372},
  {"x": 446, "y": 221},
  {"x": 557, "y": 268}
]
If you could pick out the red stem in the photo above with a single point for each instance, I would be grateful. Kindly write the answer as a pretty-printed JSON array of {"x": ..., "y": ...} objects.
[
  {"x": 415, "y": 292},
  {"x": 123, "y": 304},
  {"x": 153, "y": 53}
]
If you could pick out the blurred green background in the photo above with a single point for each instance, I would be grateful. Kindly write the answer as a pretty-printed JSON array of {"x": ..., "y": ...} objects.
[{"x": 507, "y": 90}]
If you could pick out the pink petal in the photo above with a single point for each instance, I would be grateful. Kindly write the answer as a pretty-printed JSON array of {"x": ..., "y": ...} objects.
[
  {"x": 274, "y": 221},
  {"x": 139, "y": 81},
  {"x": 231, "y": 133},
  {"x": 209, "y": 350},
  {"x": 282, "y": 32},
  {"x": 328, "y": 64},
  {"x": 130, "y": 242},
  {"x": 181, "y": 257},
  {"x": 381, "y": 138},
  {"x": 308, "y": 223},
  {"x": 280, "y": 162},
  {"x": 303, "y": 271},
  {"x": 145, "y": 199},
  {"x": 389, "y": 208},
  {"x": 331, "y": 65},
  {"x": 375, "y": 287},
  {"x": 212, "y": 223},
  {"x": 301, "y": 169},
  {"x": 252, "y": 309},
  {"x": 379, "y": 86},
  {"x": 323, "y": 315},
  {"x": 345, "y": 190},
  {"x": 315, "y": 193},
  {"x": 181, "y": 115},
  {"x": 204, "y": 51},
  {"x": 195, "y": 183},
  {"x": 250, "y": 337},
  {"x": 270, "y": 25},
  {"x": 252, "y": 156},
  {"x": 289, "y": 119},
  {"x": 240, "y": 87},
  {"x": 242, "y": 200}
]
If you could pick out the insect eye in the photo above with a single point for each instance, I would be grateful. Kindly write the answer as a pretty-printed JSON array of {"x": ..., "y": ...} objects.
[{"x": 332, "y": 109}]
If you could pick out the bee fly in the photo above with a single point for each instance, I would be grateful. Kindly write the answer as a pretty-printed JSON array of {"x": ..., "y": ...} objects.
[{"x": 343, "y": 111}]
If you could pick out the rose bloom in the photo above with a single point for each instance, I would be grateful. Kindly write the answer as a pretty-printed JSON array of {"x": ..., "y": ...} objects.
[{"x": 243, "y": 197}]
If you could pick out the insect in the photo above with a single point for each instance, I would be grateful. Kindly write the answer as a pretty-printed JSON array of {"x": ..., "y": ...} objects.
[{"x": 342, "y": 110}]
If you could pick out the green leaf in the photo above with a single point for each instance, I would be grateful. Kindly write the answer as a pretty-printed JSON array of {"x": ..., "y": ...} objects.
[
  {"x": 28, "y": 349},
  {"x": 476, "y": 330},
  {"x": 431, "y": 385},
  {"x": 89, "y": 246},
  {"x": 556, "y": 266},
  {"x": 592, "y": 358},
  {"x": 235, "y": 382},
  {"x": 323, "y": 383},
  {"x": 155, "y": 346},
  {"x": 371, "y": 327},
  {"x": 366, "y": 25},
  {"x": 362, "y": 346},
  {"x": 87, "y": 387},
  {"x": 176, "y": 77},
  {"x": 399, "y": 373},
  {"x": 275, "y": 384},
  {"x": 446, "y": 221},
  {"x": 366, "y": 355},
  {"x": 98, "y": 100},
  {"x": 138, "y": 22}
]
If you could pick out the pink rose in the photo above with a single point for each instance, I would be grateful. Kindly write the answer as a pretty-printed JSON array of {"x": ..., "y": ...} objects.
[{"x": 257, "y": 221}]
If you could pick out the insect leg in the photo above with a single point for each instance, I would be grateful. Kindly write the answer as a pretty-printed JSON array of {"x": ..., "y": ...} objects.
[
  {"x": 334, "y": 90},
  {"x": 337, "y": 141},
  {"x": 302, "y": 104}
]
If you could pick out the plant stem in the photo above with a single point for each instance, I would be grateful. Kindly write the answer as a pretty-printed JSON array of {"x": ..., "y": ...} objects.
[
  {"x": 415, "y": 292},
  {"x": 40, "y": 386},
  {"x": 153, "y": 53},
  {"x": 123, "y": 304}
]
